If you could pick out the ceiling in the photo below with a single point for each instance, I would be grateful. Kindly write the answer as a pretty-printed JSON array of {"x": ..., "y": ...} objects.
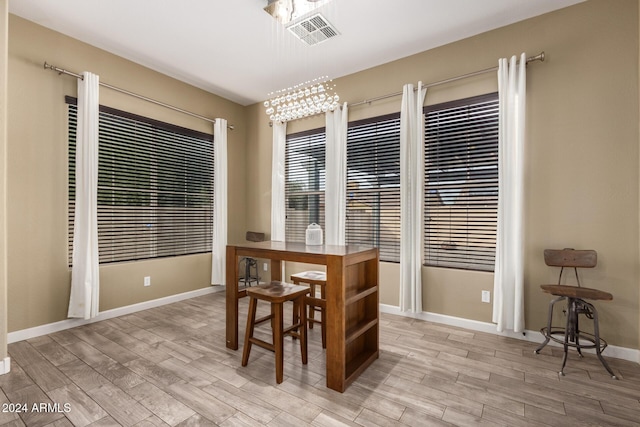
[{"x": 234, "y": 49}]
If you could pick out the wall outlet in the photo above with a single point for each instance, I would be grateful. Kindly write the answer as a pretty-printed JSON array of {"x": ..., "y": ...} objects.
[
  {"x": 486, "y": 296},
  {"x": 147, "y": 280},
  {"x": 265, "y": 266}
]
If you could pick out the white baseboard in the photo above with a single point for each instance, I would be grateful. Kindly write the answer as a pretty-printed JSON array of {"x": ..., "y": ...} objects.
[
  {"x": 37, "y": 331},
  {"x": 5, "y": 365},
  {"x": 624, "y": 353}
]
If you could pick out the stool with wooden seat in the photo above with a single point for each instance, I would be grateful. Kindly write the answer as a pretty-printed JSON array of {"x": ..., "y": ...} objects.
[
  {"x": 276, "y": 293},
  {"x": 313, "y": 279},
  {"x": 571, "y": 335}
]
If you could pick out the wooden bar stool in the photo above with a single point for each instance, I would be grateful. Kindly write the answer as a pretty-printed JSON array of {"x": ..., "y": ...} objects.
[
  {"x": 276, "y": 293},
  {"x": 570, "y": 335},
  {"x": 313, "y": 279}
]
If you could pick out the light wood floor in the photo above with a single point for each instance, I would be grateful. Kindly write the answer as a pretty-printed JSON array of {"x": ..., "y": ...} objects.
[{"x": 169, "y": 366}]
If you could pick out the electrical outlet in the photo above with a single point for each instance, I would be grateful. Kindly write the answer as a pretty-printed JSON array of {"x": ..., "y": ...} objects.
[
  {"x": 147, "y": 280},
  {"x": 486, "y": 296},
  {"x": 265, "y": 266}
]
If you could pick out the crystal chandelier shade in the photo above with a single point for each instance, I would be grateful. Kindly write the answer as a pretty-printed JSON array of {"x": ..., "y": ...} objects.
[{"x": 303, "y": 100}]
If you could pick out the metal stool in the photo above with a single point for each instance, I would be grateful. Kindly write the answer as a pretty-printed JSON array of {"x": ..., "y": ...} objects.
[
  {"x": 313, "y": 279},
  {"x": 250, "y": 263},
  {"x": 276, "y": 293},
  {"x": 250, "y": 271},
  {"x": 571, "y": 335}
]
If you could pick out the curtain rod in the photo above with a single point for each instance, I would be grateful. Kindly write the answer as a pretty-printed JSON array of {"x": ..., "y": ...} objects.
[
  {"x": 135, "y": 95},
  {"x": 539, "y": 57}
]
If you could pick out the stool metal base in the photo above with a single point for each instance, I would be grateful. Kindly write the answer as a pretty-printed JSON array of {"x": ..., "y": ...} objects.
[
  {"x": 571, "y": 336},
  {"x": 249, "y": 276}
]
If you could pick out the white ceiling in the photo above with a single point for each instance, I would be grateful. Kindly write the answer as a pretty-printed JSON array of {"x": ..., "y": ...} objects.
[{"x": 236, "y": 50}]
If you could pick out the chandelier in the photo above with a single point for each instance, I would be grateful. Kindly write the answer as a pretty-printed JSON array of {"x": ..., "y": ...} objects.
[{"x": 302, "y": 100}]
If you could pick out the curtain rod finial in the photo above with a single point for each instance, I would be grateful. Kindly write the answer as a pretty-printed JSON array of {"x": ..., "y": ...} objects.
[{"x": 539, "y": 57}]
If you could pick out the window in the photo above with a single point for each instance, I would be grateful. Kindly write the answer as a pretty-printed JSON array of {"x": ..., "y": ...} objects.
[
  {"x": 155, "y": 187},
  {"x": 304, "y": 183},
  {"x": 461, "y": 183},
  {"x": 373, "y": 184}
]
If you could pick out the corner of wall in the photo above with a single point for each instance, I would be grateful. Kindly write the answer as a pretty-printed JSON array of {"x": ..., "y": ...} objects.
[
  {"x": 4, "y": 55},
  {"x": 638, "y": 45}
]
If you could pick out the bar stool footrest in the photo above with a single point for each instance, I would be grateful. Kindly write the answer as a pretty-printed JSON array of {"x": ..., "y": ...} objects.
[
  {"x": 263, "y": 344},
  {"x": 557, "y": 334},
  {"x": 263, "y": 319}
]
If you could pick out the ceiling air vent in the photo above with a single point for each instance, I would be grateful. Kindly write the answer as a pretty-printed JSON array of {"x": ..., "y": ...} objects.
[{"x": 313, "y": 30}]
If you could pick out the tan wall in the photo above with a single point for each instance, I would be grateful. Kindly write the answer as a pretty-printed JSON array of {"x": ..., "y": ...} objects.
[
  {"x": 582, "y": 188},
  {"x": 582, "y": 185},
  {"x": 4, "y": 35},
  {"x": 38, "y": 275}
]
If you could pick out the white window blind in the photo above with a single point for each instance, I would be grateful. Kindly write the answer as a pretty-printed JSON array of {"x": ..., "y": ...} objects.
[
  {"x": 155, "y": 187},
  {"x": 461, "y": 183}
]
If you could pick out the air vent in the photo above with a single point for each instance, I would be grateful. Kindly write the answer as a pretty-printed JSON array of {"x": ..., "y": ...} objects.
[{"x": 313, "y": 30}]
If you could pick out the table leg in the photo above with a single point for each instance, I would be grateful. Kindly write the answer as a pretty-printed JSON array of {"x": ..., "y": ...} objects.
[
  {"x": 276, "y": 270},
  {"x": 232, "y": 298},
  {"x": 336, "y": 321}
]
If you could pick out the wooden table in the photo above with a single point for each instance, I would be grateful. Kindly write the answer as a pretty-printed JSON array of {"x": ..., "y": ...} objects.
[{"x": 352, "y": 300}]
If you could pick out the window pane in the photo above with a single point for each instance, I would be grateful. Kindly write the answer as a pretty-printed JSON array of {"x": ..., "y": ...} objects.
[
  {"x": 155, "y": 188},
  {"x": 305, "y": 180},
  {"x": 461, "y": 183},
  {"x": 373, "y": 185}
]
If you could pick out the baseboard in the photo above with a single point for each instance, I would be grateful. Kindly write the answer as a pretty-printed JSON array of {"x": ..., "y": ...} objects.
[
  {"x": 624, "y": 353},
  {"x": 5, "y": 365},
  {"x": 50, "y": 328}
]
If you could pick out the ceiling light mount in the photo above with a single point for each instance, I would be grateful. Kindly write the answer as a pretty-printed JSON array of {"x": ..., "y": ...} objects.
[
  {"x": 287, "y": 11},
  {"x": 302, "y": 19}
]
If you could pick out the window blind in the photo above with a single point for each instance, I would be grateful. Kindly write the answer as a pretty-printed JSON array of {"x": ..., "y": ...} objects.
[
  {"x": 461, "y": 183},
  {"x": 305, "y": 183},
  {"x": 373, "y": 185},
  {"x": 155, "y": 187}
]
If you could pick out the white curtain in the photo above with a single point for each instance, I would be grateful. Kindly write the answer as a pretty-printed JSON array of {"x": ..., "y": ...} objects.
[
  {"x": 336, "y": 175},
  {"x": 219, "y": 245},
  {"x": 85, "y": 274},
  {"x": 508, "y": 299},
  {"x": 278, "y": 213},
  {"x": 411, "y": 178}
]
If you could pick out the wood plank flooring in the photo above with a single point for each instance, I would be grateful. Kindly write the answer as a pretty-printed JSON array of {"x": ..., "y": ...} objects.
[{"x": 169, "y": 366}]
